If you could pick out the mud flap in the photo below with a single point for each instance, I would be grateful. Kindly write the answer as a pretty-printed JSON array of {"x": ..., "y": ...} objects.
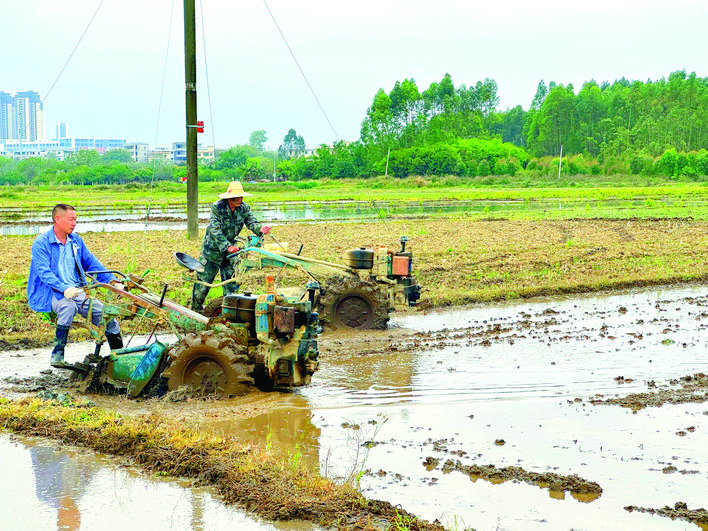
[{"x": 145, "y": 369}]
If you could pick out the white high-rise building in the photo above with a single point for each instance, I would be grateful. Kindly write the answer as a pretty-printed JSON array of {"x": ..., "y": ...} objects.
[
  {"x": 21, "y": 116},
  {"x": 62, "y": 131}
]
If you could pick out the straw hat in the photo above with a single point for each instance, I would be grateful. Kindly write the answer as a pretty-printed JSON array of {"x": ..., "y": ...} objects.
[{"x": 235, "y": 190}]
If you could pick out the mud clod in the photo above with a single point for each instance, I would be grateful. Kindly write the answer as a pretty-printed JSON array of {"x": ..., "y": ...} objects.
[
  {"x": 680, "y": 510},
  {"x": 550, "y": 480}
]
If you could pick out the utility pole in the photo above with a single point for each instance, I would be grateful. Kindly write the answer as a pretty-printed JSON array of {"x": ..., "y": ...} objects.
[{"x": 190, "y": 80}]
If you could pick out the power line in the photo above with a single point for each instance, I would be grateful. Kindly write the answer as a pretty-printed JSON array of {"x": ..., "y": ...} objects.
[
  {"x": 73, "y": 51},
  {"x": 159, "y": 111},
  {"x": 301, "y": 71},
  {"x": 206, "y": 75},
  {"x": 164, "y": 71}
]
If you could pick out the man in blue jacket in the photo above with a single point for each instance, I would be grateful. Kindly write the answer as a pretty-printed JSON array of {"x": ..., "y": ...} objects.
[{"x": 57, "y": 276}]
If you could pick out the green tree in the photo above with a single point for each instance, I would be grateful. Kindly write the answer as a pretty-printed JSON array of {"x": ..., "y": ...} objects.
[
  {"x": 117, "y": 155},
  {"x": 378, "y": 128},
  {"x": 540, "y": 96},
  {"x": 510, "y": 125},
  {"x": 668, "y": 163},
  {"x": 258, "y": 139},
  {"x": 293, "y": 145},
  {"x": 84, "y": 157},
  {"x": 233, "y": 158}
]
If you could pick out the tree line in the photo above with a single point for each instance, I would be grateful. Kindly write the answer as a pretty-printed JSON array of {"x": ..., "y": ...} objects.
[{"x": 625, "y": 127}]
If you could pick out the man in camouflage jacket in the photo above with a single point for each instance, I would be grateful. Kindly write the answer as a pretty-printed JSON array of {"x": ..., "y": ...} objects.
[{"x": 228, "y": 216}]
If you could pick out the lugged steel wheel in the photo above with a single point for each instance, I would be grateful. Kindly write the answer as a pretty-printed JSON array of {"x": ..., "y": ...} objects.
[
  {"x": 349, "y": 302},
  {"x": 209, "y": 364}
]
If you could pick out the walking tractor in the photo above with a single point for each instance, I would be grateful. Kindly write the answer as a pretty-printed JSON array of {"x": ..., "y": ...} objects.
[
  {"x": 267, "y": 340},
  {"x": 359, "y": 292}
]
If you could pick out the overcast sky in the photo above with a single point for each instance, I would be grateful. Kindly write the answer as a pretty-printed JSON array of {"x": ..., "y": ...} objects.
[{"x": 111, "y": 88}]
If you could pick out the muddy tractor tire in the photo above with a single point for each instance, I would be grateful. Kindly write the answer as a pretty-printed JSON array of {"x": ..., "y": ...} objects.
[
  {"x": 349, "y": 302},
  {"x": 209, "y": 364},
  {"x": 213, "y": 308}
]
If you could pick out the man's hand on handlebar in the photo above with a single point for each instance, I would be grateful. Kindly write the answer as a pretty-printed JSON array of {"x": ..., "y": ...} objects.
[
  {"x": 232, "y": 249},
  {"x": 118, "y": 284},
  {"x": 72, "y": 292}
]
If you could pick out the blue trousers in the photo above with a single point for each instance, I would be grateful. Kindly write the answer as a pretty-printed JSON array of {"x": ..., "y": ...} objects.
[{"x": 66, "y": 309}]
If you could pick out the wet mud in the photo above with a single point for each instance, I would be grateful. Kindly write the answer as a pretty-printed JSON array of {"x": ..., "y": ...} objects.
[
  {"x": 529, "y": 389},
  {"x": 687, "y": 389},
  {"x": 680, "y": 511},
  {"x": 550, "y": 480}
]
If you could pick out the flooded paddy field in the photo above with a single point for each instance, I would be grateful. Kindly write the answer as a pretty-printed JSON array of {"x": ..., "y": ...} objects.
[
  {"x": 16, "y": 221},
  {"x": 158, "y": 216},
  {"x": 554, "y": 413}
]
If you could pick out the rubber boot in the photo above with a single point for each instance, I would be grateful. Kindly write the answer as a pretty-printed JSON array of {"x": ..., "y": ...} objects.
[
  {"x": 60, "y": 338},
  {"x": 115, "y": 341},
  {"x": 199, "y": 293}
]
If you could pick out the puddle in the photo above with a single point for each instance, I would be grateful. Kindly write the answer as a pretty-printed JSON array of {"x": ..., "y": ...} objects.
[
  {"x": 68, "y": 489},
  {"x": 510, "y": 372},
  {"x": 495, "y": 385}
]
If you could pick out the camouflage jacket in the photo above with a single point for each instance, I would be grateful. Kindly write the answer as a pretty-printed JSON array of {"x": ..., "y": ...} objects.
[{"x": 223, "y": 228}]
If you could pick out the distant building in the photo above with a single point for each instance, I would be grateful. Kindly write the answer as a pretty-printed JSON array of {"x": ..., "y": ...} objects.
[
  {"x": 23, "y": 149},
  {"x": 138, "y": 150},
  {"x": 179, "y": 153},
  {"x": 62, "y": 130},
  {"x": 160, "y": 153},
  {"x": 6, "y": 116},
  {"x": 21, "y": 116},
  {"x": 205, "y": 155}
]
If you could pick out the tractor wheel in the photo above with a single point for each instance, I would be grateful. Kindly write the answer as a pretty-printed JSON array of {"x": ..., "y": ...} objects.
[
  {"x": 213, "y": 309},
  {"x": 353, "y": 303},
  {"x": 209, "y": 364}
]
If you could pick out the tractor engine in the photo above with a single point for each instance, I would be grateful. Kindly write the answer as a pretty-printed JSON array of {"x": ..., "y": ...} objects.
[
  {"x": 388, "y": 267},
  {"x": 282, "y": 334}
]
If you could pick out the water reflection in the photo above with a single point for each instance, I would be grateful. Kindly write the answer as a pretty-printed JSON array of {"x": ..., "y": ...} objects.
[
  {"x": 288, "y": 426},
  {"x": 453, "y": 396},
  {"x": 60, "y": 482},
  {"x": 67, "y": 489}
]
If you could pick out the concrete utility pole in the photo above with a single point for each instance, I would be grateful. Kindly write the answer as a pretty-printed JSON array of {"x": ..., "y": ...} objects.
[{"x": 190, "y": 79}]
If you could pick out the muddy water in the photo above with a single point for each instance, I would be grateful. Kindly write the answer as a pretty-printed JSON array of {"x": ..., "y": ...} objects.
[
  {"x": 498, "y": 387},
  {"x": 67, "y": 489},
  {"x": 504, "y": 385}
]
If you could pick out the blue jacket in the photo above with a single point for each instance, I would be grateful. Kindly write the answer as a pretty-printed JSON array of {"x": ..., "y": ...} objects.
[{"x": 43, "y": 283}]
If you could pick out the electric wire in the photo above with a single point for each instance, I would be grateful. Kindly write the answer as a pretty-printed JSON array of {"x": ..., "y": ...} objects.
[
  {"x": 336, "y": 136},
  {"x": 373, "y": 202},
  {"x": 206, "y": 75},
  {"x": 72, "y": 52},
  {"x": 159, "y": 110}
]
